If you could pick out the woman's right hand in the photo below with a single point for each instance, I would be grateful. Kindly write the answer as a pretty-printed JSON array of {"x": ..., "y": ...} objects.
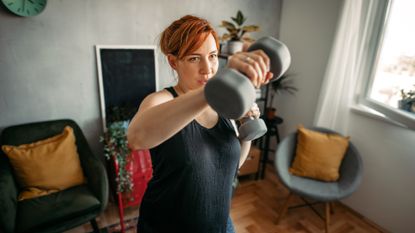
[{"x": 254, "y": 64}]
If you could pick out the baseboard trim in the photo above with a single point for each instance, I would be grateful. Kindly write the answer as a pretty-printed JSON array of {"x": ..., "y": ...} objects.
[{"x": 369, "y": 221}]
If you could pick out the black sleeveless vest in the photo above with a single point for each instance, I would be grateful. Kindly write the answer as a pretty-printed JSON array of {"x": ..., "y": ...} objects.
[{"x": 192, "y": 179}]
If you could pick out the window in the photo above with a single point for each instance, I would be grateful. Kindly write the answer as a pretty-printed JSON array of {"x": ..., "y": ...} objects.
[{"x": 391, "y": 88}]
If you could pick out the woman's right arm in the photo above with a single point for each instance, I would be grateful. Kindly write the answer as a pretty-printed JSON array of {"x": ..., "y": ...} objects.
[{"x": 160, "y": 116}]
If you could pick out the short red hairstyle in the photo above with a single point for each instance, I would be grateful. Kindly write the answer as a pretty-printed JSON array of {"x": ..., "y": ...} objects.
[{"x": 186, "y": 35}]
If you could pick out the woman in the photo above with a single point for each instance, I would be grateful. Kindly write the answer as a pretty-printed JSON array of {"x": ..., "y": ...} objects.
[{"x": 195, "y": 152}]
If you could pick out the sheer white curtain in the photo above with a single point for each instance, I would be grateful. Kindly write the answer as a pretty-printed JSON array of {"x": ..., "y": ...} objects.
[{"x": 341, "y": 77}]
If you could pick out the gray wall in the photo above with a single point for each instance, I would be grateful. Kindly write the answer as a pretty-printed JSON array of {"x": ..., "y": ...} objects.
[
  {"x": 308, "y": 28},
  {"x": 48, "y": 71},
  {"x": 387, "y": 192},
  {"x": 386, "y": 195},
  {"x": 47, "y": 62}
]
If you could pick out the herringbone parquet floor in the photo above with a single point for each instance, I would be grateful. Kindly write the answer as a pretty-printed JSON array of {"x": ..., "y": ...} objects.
[
  {"x": 255, "y": 207},
  {"x": 256, "y": 203}
]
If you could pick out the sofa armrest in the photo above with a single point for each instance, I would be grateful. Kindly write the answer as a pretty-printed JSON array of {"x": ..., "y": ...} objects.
[
  {"x": 8, "y": 196},
  {"x": 92, "y": 166},
  {"x": 97, "y": 179}
]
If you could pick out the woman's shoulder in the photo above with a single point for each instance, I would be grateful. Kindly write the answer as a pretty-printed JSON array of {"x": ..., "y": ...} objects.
[
  {"x": 156, "y": 98},
  {"x": 163, "y": 94}
]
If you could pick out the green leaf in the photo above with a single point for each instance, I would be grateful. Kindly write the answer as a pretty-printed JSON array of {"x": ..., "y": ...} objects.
[
  {"x": 226, "y": 37},
  {"x": 116, "y": 147},
  {"x": 235, "y": 20},
  {"x": 250, "y": 28},
  {"x": 237, "y": 32},
  {"x": 240, "y": 18},
  {"x": 284, "y": 83},
  {"x": 247, "y": 39},
  {"x": 228, "y": 25}
]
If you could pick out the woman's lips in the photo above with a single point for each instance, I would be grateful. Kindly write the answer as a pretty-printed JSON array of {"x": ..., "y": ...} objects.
[{"x": 202, "y": 81}]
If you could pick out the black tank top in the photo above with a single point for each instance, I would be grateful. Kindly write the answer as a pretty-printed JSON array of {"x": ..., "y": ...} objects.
[{"x": 192, "y": 179}]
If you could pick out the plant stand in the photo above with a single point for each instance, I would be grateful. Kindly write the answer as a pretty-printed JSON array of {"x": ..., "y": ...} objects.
[
  {"x": 139, "y": 165},
  {"x": 272, "y": 125}
]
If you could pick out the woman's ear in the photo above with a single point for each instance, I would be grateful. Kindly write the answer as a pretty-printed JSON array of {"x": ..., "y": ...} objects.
[{"x": 172, "y": 61}]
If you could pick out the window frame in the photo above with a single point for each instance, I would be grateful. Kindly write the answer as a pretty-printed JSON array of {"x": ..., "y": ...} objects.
[{"x": 379, "y": 14}]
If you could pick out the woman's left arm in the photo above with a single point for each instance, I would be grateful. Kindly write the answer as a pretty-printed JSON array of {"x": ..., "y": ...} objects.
[
  {"x": 253, "y": 113},
  {"x": 245, "y": 148},
  {"x": 255, "y": 65}
]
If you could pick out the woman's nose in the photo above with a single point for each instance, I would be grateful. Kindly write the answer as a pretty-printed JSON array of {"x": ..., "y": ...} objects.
[{"x": 206, "y": 67}]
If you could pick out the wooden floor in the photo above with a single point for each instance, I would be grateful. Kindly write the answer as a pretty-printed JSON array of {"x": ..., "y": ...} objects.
[
  {"x": 110, "y": 218},
  {"x": 255, "y": 208}
]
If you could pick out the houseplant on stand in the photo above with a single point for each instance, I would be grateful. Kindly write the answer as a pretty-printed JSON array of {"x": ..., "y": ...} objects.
[
  {"x": 283, "y": 84},
  {"x": 407, "y": 101},
  {"x": 236, "y": 34},
  {"x": 132, "y": 168},
  {"x": 116, "y": 148}
]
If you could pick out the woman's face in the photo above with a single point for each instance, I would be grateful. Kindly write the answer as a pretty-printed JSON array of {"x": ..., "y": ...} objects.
[{"x": 197, "y": 68}]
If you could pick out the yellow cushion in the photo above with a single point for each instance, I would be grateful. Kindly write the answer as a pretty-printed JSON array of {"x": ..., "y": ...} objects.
[
  {"x": 46, "y": 166},
  {"x": 319, "y": 155}
]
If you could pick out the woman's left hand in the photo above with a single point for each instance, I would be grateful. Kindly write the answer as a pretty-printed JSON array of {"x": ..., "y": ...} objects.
[
  {"x": 253, "y": 113},
  {"x": 255, "y": 65}
]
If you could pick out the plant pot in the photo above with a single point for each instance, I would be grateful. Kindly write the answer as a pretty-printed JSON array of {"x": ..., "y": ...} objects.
[
  {"x": 407, "y": 105},
  {"x": 270, "y": 113},
  {"x": 139, "y": 165},
  {"x": 224, "y": 48},
  {"x": 234, "y": 46},
  {"x": 141, "y": 170}
]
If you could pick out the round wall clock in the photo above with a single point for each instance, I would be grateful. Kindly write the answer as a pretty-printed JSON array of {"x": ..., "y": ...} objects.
[{"x": 25, "y": 7}]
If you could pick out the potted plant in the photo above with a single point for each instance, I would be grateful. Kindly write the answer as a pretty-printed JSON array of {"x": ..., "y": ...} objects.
[
  {"x": 116, "y": 149},
  {"x": 130, "y": 170},
  {"x": 237, "y": 32},
  {"x": 283, "y": 84},
  {"x": 407, "y": 101}
]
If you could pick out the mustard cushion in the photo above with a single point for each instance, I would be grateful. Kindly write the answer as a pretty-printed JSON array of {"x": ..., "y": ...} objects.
[
  {"x": 46, "y": 166},
  {"x": 318, "y": 155}
]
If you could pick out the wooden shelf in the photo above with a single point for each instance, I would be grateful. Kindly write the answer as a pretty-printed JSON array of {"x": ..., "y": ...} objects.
[{"x": 251, "y": 163}]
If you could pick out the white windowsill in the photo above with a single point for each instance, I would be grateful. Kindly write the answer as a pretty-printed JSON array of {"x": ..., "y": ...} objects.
[{"x": 371, "y": 113}]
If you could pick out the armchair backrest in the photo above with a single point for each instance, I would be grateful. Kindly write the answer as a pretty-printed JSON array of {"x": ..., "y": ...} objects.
[
  {"x": 92, "y": 166},
  {"x": 31, "y": 132},
  {"x": 351, "y": 168}
]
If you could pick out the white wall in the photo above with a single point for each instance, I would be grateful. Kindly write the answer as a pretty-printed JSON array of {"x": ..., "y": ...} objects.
[
  {"x": 48, "y": 71},
  {"x": 47, "y": 62},
  {"x": 308, "y": 28},
  {"x": 387, "y": 193}
]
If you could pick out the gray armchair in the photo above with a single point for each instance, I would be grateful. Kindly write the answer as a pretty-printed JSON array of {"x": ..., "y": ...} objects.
[
  {"x": 59, "y": 211},
  {"x": 351, "y": 170}
]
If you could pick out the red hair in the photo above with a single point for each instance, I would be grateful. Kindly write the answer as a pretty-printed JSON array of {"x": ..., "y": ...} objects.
[{"x": 186, "y": 35}]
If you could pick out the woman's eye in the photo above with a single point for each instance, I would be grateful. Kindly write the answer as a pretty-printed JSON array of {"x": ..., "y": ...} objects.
[
  {"x": 214, "y": 55},
  {"x": 194, "y": 59}
]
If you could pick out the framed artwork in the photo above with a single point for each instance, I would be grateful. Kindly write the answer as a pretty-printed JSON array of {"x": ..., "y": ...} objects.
[{"x": 126, "y": 75}]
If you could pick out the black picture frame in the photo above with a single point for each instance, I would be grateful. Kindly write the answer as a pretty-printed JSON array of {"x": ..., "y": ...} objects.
[{"x": 126, "y": 75}]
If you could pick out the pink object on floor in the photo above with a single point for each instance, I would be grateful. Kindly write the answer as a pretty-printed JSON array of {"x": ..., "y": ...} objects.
[{"x": 141, "y": 172}]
